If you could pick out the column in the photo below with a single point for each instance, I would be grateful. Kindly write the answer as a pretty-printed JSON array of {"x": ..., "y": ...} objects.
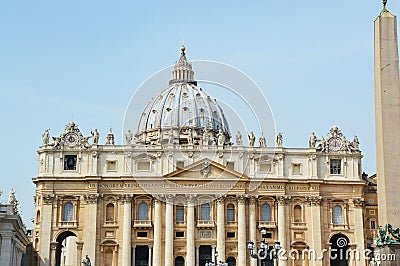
[
  {"x": 45, "y": 232},
  {"x": 150, "y": 255},
  {"x": 157, "y": 233},
  {"x": 221, "y": 228},
  {"x": 53, "y": 252},
  {"x": 133, "y": 255},
  {"x": 253, "y": 225},
  {"x": 79, "y": 247},
  {"x": 282, "y": 200},
  {"x": 91, "y": 230},
  {"x": 358, "y": 227},
  {"x": 197, "y": 255},
  {"x": 190, "y": 256},
  {"x": 213, "y": 259},
  {"x": 242, "y": 245},
  {"x": 127, "y": 230},
  {"x": 169, "y": 232},
  {"x": 315, "y": 214}
]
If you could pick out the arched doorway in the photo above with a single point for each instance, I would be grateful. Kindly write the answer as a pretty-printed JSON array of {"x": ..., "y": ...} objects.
[
  {"x": 231, "y": 261},
  {"x": 66, "y": 251},
  {"x": 179, "y": 261},
  {"x": 339, "y": 245}
]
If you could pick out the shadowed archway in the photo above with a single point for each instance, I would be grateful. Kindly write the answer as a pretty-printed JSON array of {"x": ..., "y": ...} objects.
[{"x": 60, "y": 240}]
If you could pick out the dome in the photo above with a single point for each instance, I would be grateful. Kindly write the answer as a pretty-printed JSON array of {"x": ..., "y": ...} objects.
[{"x": 183, "y": 113}]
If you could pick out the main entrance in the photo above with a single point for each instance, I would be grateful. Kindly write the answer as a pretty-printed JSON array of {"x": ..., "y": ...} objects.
[
  {"x": 339, "y": 246},
  {"x": 142, "y": 256},
  {"x": 205, "y": 255}
]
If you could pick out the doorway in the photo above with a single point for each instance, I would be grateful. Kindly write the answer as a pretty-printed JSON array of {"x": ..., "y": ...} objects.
[
  {"x": 142, "y": 255},
  {"x": 205, "y": 255},
  {"x": 339, "y": 245}
]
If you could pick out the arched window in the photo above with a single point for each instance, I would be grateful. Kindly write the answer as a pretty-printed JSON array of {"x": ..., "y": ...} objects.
[
  {"x": 205, "y": 212},
  {"x": 297, "y": 214},
  {"x": 265, "y": 213},
  {"x": 38, "y": 217},
  {"x": 36, "y": 243},
  {"x": 231, "y": 261},
  {"x": 110, "y": 212},
  {"x": 143, "y": 212},
  {"x": 230, "y": 213},
  {"x": 68, "y": 212},
  {"x": 179, "y": 261},
  {"x": 337, "y": 215},
  {"x": 180, "y": 214}
]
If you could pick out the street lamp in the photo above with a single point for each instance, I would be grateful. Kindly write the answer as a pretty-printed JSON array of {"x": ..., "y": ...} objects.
[
  {"x": 215, "y": 263},
  {"x": 264, "y": 251}
]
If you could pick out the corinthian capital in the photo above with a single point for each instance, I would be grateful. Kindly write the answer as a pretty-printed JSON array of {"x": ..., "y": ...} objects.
[
  {"x": 241, "y": 199},
  {"x": 125, "y": 198},
  {"x": 358, "y": 202},
  {"x": 91, "y": 198},
  {"x": 221, "y": 199},
  {"x": 283, "y": 199},
  {"x": 48, "y": 198},
  {"x": 314, "y": 200},
  {"x": 190, "y": 198},
  {"x": 253, "y": 199}
]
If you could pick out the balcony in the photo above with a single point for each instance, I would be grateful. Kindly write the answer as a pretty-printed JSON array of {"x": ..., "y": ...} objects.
[
  {"x": 180, "y": 223},
  {"x": 142, "y": 224},
  {"x": 68, "y": 224},
  {"x": 111, "y": 223},
  {"x": 339, "y": 226},
  {"x": 299, "y": 225},
  {"x": 205, "y": 224},
  {"x": 266, "y": 224}
]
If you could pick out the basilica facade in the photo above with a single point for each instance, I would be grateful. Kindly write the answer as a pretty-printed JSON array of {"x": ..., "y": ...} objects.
[{"x": 182, "y": 191}]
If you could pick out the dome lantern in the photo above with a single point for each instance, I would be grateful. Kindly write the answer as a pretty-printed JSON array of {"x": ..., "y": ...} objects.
[{"x": 182, "y": 69}]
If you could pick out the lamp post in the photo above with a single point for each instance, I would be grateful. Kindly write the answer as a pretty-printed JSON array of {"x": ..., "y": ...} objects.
[
  {"x": 264, "y": 251},
  {"x": 215, "y": 263}
]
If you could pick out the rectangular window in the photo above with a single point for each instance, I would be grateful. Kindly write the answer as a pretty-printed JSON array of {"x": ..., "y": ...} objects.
[
  {"x": 143, "y": 166},
  {"x": 265, "y": 167},
  {"x": 111, "y": 165},
  {"x": 296, "y": 169},
  {"x": 70, "y": 162},
  {"x": 373, "y": 225},
  {"x": 230, "y": 234},
  {"x": 180, "y": 165},
  {"x": 230, "y": 215},
  {"x": 179, "y": 234},
  {"x": 141, "y": 234},
  {"x": 230, "y": 165},
  {"x": 335, "y": 167},
  {"x": 180, "y": 214}
]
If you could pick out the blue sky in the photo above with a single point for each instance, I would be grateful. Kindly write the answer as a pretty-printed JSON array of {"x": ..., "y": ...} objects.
[{"x": 82, "y": 60}]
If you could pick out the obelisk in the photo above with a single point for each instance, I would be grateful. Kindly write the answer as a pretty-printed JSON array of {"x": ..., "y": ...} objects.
[{"x": 387, "y": 126}]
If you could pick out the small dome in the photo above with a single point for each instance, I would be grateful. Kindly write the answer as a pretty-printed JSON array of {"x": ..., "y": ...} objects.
[{"x": 182, "y": 113}]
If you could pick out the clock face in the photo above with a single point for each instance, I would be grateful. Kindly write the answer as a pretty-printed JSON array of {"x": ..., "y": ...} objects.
[
  {"x": 335, "y": 144},
  {"x": 71, "y": 139}
]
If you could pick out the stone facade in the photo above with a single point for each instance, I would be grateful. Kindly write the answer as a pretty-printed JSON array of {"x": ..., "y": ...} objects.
[
  {"x": 13, "y": 234},
  {"x": 371, "y": 220},
  {"x": 184, "y": 193}
]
